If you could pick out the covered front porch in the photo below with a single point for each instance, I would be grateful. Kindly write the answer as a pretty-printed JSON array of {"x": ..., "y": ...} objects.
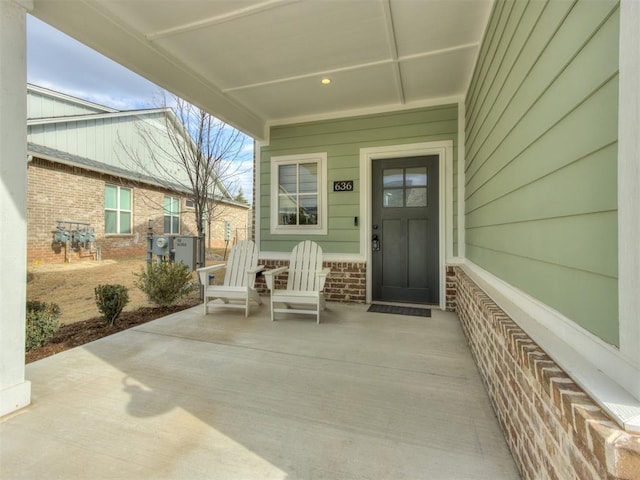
[{"x": 363, "y": 395}]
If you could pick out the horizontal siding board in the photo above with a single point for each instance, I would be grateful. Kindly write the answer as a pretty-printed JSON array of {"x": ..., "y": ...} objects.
[
  {"x": 351, "y": 150},
  {"x": 286, "y": 245},
  {"x": 343, "y": 198},
  {"x": 550, "y": 21},
  {"x": 581, "y": 296},
  {"x": 344, "y": 211},
  {"x": 594, "y": 123},
  {"x": 541, "y": 159},
  {"x": 484, "y": 53},
  {"x": 582, "y": 242},
  {"x": 570, "y": 190},
  {"x": 343, "y": 223},
  {"x": 495, "y": 53},
  {"x": 365, "y": 123},
  {"x": 336, "y": 139},
  {"x": 527, "y": 23},
  {"x": 562, "y": 77}
]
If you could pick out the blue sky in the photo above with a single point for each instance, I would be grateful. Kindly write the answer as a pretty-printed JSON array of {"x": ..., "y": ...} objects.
[{"x": 60, "y": 63}]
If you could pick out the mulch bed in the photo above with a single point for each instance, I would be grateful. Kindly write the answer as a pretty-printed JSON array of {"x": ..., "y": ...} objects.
[{"x": 79, "y": 333}]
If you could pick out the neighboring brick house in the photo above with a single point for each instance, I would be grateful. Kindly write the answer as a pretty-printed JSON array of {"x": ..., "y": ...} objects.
[{"x": 79, "y": 173}]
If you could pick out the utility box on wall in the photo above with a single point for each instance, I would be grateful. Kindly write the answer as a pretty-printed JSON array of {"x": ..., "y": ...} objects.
[
  {"x": 185, "y": 249},
  {"x": 162, "y": 245}
]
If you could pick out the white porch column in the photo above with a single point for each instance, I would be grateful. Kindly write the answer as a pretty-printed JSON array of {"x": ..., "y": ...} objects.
[{"x": 15, "y": 391}]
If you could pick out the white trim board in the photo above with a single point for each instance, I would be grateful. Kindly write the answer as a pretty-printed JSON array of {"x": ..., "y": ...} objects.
[
  {"x": 629, "y": 187},
  {"x": 444, "y": 150},
  {"x": 461, "y": 179},
  {"x": 573, "y": 348}
]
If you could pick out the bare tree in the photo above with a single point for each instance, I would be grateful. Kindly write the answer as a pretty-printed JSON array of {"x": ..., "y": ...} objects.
[{"x": 186, "y": 149}]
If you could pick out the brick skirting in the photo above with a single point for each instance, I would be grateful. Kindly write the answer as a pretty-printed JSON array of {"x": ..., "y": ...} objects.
[
  {"x": 553, "y": 428},
  {"x": 347, "y": 281}
]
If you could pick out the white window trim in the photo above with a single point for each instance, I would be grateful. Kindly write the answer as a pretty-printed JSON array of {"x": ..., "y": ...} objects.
[
  {"x": 321, "y": 228},
  {"x": 444, "y": 150},
  {"x": 118, "y": 210},
  {"x": 171, "y": 214}
]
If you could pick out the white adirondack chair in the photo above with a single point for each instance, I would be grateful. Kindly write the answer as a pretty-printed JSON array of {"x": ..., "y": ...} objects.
[
  {"x": 304, "y": 284},
  {"x": 239, "y": 279}
]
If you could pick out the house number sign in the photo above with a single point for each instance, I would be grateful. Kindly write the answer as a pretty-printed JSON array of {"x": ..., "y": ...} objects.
[{"x": 343, "y": 186}]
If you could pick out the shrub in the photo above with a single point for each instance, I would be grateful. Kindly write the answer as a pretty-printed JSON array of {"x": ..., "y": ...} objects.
[
  {"x": 110, "y": 300},
  {"x": 165, "y": 283},
  {"x": 42, "y": 323}
]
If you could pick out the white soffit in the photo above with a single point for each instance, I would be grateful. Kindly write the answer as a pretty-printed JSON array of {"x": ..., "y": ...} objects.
[{"x": 259, "y": 62}]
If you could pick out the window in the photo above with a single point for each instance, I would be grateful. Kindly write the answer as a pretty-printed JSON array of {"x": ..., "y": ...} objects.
[
  {"x": 171, "y": 215},
  {"x": 404, "y": 187},
  {"x": 299, "y": 194},
  {"x": 117, "y": 210}
]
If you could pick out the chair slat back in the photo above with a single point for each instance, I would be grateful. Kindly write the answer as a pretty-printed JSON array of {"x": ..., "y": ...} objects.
[
  {"x": 243, "y": 257},
  {"x": 305, "y": 262}
]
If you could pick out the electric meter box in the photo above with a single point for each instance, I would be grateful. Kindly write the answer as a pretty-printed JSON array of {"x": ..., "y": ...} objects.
[
  {"x": 185, "y": 251},
  {"x": 162, "y": 245}
]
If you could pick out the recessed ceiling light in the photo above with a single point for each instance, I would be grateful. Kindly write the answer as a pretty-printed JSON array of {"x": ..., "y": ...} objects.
[{"x": 325, "y": 81}]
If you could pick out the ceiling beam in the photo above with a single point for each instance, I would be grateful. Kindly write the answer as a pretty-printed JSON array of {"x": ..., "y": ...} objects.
[
  {"x": 318, "y": 74},
  {"x": 218, "y": 19},
  {"x": 442, "y": 51},
  {"x": 393, "y": 50}
]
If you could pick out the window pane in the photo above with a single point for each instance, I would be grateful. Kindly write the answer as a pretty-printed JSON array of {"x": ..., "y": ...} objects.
[
  {"x": 175, "y": 206},
  {"x": 110, "y": 197},
  {"x": 125, "y": 199},
  {"x": 392, "y": 197},
  {"x": 308, "y": 177},
  {"x": 287, "y": 178},
  {"x": 309, "y": 210},
  {"x": 287, "y": 211},
  {"x": 416, "y": 177},
  {"x": 167, "y": 224},
  {"x": 392, "y": 177},
  {"x": 110, "y": 222},
  {"x": 416, "y": 197},
  {"x": 175, "y": 227},
  {"x": 167, "y": 205},
  {"x": 125, "y": 222}
]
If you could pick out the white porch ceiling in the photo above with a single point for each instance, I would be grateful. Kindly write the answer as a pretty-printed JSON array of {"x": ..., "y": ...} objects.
[{"x": 254, "y": 63}]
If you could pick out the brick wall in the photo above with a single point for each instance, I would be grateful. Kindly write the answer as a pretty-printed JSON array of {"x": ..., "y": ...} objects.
[
  {"x": 450, "y": 286},
  {"x": 61, "y": 192},
  {"x": 345, "y": 283},
  {"x": 553, "y": 428},
  {"x": 239, "y": 218}
]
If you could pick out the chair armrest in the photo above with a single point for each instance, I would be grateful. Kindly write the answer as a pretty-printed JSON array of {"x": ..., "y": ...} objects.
[
  {"x": 204, "y": 271},
  {"x": 322, "y": 277},
  {"x": 257, "y": 269},
  {"x": 270, "y": 274}
]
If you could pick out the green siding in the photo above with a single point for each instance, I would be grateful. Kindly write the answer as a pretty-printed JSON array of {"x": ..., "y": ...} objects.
[
  {"x": 541, "y": 150},
  {"x": 342, "y": 139}
]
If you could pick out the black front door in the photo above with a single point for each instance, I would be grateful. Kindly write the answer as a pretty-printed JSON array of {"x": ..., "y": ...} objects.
[{"x": 404, "y": 236}]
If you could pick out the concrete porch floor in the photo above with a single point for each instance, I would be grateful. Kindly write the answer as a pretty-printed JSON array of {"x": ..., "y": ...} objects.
[{"x": 360, "y": 396}]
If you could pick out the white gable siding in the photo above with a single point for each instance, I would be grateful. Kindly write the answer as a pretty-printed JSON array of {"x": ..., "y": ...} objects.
[
  {"x": 41, "y": 104},
  {"x": 104, "y": 140}
]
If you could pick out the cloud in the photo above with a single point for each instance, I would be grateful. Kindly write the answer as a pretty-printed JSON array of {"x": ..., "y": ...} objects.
[{"x": 60, "y": 63}]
